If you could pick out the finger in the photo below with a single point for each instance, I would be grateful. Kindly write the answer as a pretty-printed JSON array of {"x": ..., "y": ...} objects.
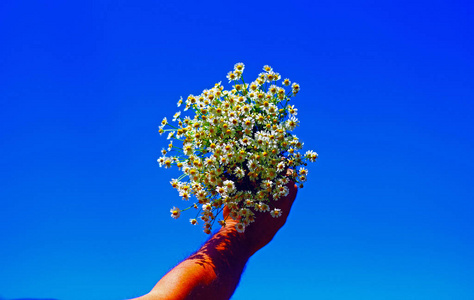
[
  {"x": 226, "y": 212},
  {"x": 285, "y": 203}
]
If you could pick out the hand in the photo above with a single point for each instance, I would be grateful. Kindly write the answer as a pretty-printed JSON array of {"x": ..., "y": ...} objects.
[{"x": 262, "y": 231}]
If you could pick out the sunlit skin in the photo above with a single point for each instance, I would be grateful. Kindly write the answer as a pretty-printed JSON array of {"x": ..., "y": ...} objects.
[{"x": 214, "y": 271}]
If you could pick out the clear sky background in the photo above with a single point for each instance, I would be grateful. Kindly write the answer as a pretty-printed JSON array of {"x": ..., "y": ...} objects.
[{"x": 386, "y": 100}]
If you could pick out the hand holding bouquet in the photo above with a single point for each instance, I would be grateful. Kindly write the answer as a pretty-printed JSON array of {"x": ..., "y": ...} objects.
[{"x": 236, "y": 148}]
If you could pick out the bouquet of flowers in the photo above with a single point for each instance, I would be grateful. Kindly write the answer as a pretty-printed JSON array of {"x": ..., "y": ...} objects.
[{"x": 236, "y": 148}]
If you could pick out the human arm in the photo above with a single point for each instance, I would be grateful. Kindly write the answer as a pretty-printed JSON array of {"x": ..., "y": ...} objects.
[{"x": 214, "y": 271}]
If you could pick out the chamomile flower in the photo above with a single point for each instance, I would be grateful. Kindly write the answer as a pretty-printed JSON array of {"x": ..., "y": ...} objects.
[
  {"x": 281, "y": 166},
  {"x": 233, "y": 122},
  {"x": 295, "y": 87},
  {"x": 276, "y": 212},
  {"x": 252, "y": 165},
  {"x": 263, "y": 207},
  {"x": 206, "y": 207},
  {"x": 292, "y": 110},
  {"x": 239, "y": 67},
  {"x": 174, "y": 183},
  {"x": 282, "y": 190},
  {"x": 185, "y": 195},
  {"x": 254, "y": 86},
  {"x": 248, "y": 122},
  {"x": 239, "y": 172},
  {"x": 303, "y": 171},
  {"x": 167, "y": 162},
  {"x": 311, "y": 155},
  {"x": 240, "y": 227},
  {"x": 221, "y": 190},
  {"x": 292, "y": 123},
  {"x": 283, "y": 180},
  {"x": 245, "y": 141},
  {"x": 229, "y": 186},
  {"x": 266, "y": 184},
  {"x": 231, "y": 76},
  {"x": 161, "y": 161},
  {"x": 175, "y": 212},
  {"x": 176, "y": 116}
]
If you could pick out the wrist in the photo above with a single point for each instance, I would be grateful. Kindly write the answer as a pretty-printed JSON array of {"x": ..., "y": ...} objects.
[{"x": 238, "y": 242}]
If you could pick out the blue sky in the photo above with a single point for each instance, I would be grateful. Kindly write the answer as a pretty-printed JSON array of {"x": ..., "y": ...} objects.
[{"x": 386, "y": 101}]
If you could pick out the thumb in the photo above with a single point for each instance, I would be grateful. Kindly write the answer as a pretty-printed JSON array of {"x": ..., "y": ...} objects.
[{"x": 226, "y": 212}]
